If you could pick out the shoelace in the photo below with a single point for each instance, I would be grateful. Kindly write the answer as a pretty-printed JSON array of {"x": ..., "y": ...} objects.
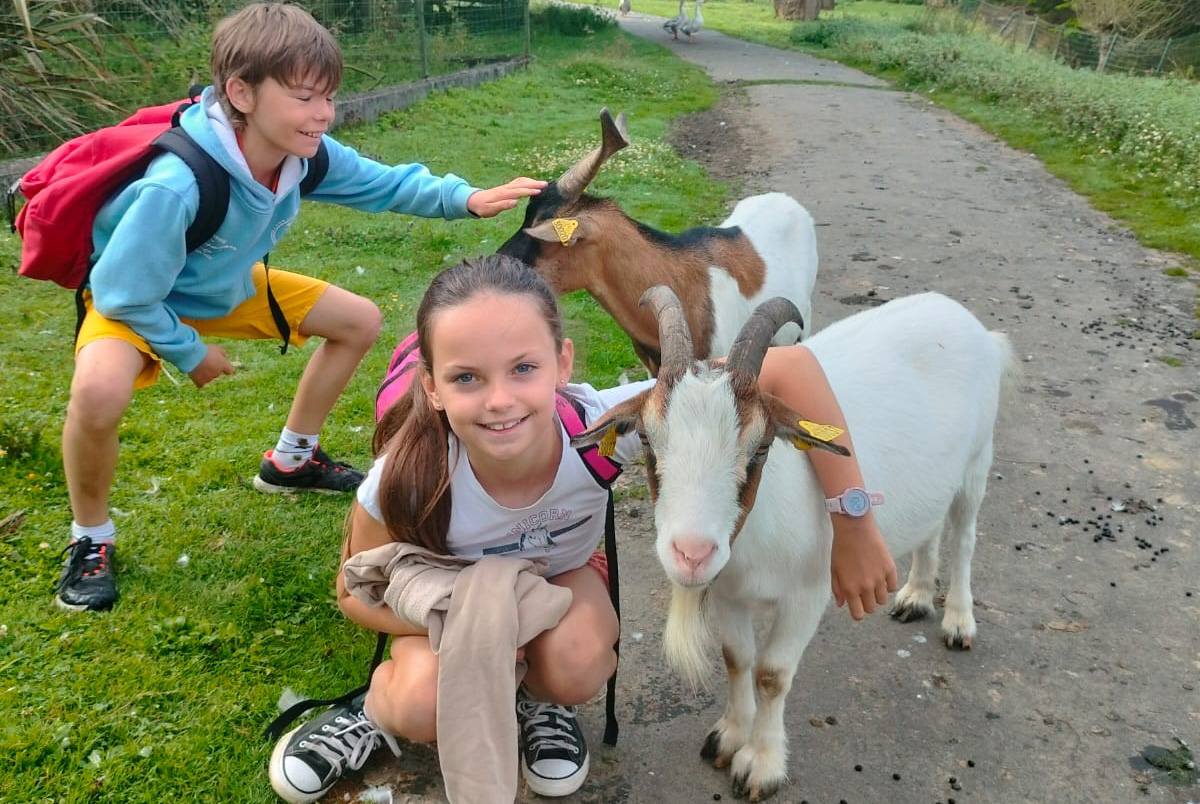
[
  {"x": 348, "y": 748},
  {"x": 84, "y": 551},
  {"x": 543, "y": 728},
  {"x": 321, "y": 457}
]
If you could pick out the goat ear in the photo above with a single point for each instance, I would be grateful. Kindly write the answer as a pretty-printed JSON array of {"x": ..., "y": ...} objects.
[
  {"x": 788, "y": 427},
  {"x": 617, "y": 421},
  {"x": 567, "y": 231}
]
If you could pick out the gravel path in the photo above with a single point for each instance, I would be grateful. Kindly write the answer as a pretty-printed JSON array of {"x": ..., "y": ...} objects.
[{"x": 1089, "y": 644}]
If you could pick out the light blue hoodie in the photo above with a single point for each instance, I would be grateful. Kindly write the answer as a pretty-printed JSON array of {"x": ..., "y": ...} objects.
[{"x": 142, "y": 274}]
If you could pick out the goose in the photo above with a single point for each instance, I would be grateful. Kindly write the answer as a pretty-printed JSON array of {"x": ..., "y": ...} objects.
[
  {"x": 673, "y": 24},
  {"x": 691, "y": 27},
  {"x": 623, "y": 7}
]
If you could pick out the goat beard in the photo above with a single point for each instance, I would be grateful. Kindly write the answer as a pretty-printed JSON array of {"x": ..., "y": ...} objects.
[{"x": 687, "y": 637}]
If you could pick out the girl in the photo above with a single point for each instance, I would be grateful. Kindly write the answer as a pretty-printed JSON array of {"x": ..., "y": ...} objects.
[{"x": 472, "y": 460}]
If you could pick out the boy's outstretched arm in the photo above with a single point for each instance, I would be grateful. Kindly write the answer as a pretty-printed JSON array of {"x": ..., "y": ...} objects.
[
  {"x": 863, "y": 572},
  {"x": 486, "y": 203}
]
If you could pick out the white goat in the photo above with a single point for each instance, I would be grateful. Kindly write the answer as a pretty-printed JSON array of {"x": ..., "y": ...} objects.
[
  {"x": 767, "y": 247},
  {"x": 919, "y": 381}
]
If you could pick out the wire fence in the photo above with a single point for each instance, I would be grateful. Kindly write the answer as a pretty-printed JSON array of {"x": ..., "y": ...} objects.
[
  {"x": 1084, "y": 49},
  {"x": 89, "y": 63}
]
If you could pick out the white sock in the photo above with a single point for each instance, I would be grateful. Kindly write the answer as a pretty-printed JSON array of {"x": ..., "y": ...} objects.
[
  {"x": 99, "y": 534},
  {"x": 294, "y": 450}
]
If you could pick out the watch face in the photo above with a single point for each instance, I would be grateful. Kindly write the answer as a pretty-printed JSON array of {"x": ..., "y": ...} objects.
[{"x": 856, "y": 502}]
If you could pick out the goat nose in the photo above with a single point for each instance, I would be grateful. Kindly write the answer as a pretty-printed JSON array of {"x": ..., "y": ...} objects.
[{"x": 692, "y": 554}]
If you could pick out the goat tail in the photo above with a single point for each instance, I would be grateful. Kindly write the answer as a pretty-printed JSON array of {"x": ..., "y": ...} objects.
[
  {"x": 686, "y": 638},
  {"x": 1012, "y": 372}
]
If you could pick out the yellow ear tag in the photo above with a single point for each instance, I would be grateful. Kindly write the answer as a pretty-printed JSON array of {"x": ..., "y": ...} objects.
[
  {"x": 821, "y": 432},
  {"x": 608, "y": 444},
  {"x": 564, "y": 228}
]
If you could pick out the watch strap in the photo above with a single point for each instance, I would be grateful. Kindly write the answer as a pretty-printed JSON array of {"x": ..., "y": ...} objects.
[{"x": 834, "y": 504}]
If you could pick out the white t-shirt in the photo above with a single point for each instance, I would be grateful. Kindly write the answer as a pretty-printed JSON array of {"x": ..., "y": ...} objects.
[{"x": 564, "y": 527}]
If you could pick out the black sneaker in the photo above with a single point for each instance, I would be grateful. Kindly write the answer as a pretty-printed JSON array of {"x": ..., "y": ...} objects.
[
  {"x": 87, "y": 578},
  {"x": 321, "y": 474},
  {"x": 554, "y": 757},
  {"x": 309, "y": 760}
]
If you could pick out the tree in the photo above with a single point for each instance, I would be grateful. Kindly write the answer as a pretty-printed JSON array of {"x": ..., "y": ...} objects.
[
  {"x": 804, "y": 10},
  {"x": 1153, "y": 19}
]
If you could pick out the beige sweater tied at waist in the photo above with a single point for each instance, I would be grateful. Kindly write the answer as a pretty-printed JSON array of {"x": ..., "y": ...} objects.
[{"x": 478, "y": 612}]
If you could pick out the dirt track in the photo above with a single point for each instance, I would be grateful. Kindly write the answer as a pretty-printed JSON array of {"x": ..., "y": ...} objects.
[{"x": 1089, "y": 645}]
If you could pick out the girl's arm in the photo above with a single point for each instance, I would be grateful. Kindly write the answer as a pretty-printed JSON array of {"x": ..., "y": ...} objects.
[
  {"x": 862, "y": 568},
  {"x": 366, "y": 532}
]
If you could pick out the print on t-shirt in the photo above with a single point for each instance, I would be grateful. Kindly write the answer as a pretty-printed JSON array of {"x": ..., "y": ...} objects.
[{"x": 534, "y": 532}]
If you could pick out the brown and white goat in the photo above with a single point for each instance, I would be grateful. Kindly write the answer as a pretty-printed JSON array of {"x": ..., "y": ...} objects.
[
  {"x": 767, "y": 247},
  {"x": 919, "y": 381}
]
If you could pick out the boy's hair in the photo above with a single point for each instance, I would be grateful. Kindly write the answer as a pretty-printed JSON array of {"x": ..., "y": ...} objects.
[
  {"x": 273, "y": 40},
  {"x": 414, "y": 491}
]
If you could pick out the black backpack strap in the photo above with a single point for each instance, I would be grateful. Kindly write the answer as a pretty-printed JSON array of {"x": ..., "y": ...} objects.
[
  {"x": 211, "y": 180},
  {"x": 213, "y": 184},
  {"x": 275, "y": 730},
  {"x": 614, "y": 593},
  {"x": 318, "y": 166}
]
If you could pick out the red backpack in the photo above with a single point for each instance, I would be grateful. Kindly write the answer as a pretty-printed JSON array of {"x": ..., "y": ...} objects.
[{"x": 66, "y": 190}]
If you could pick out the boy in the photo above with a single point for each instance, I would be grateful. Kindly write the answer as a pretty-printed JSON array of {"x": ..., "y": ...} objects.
[{"x": 275, "y": 71}]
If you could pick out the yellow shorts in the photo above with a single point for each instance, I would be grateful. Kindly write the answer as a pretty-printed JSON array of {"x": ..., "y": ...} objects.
[{"x": 295, "y": 293}]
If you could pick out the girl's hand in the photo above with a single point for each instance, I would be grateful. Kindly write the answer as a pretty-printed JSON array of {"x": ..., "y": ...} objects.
[
  {"x": 862, "y": 568},
  {"x": 487, "y": 203}
]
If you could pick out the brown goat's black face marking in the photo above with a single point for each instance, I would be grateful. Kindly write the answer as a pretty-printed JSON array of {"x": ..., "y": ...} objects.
[{"x": 651, "y": 467}]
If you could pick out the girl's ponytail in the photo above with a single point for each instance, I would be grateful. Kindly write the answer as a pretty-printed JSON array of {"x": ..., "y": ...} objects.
[{"x": 414, "y": 490}]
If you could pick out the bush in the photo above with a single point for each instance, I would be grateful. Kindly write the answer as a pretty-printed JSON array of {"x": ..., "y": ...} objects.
[{"x": 570, "y": 20}]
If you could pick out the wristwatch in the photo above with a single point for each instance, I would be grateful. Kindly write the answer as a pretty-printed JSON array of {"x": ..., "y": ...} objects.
[{"x": 853, "y": 502}]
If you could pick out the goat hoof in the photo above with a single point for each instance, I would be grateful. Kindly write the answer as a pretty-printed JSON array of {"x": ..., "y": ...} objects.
[
  {"x": 739, "y": 785},
  {"x": 907, "y": 613},
  {"x": 764, "y": 792},
  {"x": 711, "y": 745},
  {"x": 958, "y": 642}
]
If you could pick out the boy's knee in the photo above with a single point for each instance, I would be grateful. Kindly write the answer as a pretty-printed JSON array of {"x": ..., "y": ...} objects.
[
  {"x": 97, "y": 400},
  {"x": 364, "y": 323}
]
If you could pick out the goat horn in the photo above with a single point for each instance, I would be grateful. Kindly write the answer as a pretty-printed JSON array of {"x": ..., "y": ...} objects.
[
  {"x": 576, "y": 178},
  {"x": 750, "y": 346},
  {"x": 674, "y": 338}
]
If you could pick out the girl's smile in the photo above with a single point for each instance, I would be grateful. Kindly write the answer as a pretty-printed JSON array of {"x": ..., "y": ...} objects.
[{"x": 495, "y": 372}]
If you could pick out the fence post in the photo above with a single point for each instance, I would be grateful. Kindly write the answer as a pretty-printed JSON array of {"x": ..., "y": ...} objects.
[
  {"x": 1032, "y": 34},
  {"x": 1102, "y": 56},
  {"x": 1163, "y": 58},
  {"x": 421, "y": 45},
  {"x": 528, "y": 34},
  {"x": 1057, "y": 41},
  {"x": 1007, "y": 22}
]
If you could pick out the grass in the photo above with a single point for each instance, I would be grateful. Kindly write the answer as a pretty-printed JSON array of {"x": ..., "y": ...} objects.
[{"x": 165, "y": 697}]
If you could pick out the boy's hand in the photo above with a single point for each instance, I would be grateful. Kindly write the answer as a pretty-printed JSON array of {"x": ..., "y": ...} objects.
[
  {"x": 487, "y": 203},
  {"x": 214, "y": 364},
  {"x": 863, "y": 570}
]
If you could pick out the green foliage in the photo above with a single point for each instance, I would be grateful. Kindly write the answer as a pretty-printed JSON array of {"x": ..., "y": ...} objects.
[
  {"x": 570, "y": 20},
  {"x": 50, "y": 66},
  {"x": 1147, "y": 129},
  {"x": 165, "y": 698}
]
